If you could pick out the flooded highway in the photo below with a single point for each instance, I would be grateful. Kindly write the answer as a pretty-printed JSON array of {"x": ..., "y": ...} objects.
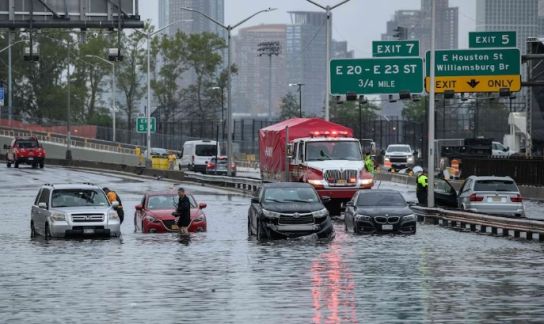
[{"x": 437, "y": 275}]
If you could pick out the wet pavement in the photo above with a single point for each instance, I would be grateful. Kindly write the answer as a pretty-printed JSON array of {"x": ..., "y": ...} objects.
[{"x": 436, "y": 275}]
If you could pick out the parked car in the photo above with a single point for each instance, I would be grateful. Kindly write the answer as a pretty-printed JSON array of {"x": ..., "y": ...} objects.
[
  {"x": 219, "y": 166},
  {"x": 154, "y": 213},
  {"x": 379, "y": 211},
  {"x": 73, "y": 209},
  {"x": 287, "y": 210},
  {"x": 25, "y": 150},
  {"x": 196, "y": 155},
  {"x": 491, "y": 195},
  {"x": 398, "y": 157}
]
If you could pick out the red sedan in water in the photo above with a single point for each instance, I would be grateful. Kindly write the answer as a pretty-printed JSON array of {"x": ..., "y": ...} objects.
[{"x": 154, "y": 213}]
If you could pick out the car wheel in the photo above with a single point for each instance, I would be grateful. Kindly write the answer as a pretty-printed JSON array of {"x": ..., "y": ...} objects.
[
  {"x": 261, "y": 235},
  {"x": 249, "y": 232},
  {"x": 8, "y": 164},
  {"x": 346, "y": 226},
  {"x": 42, "y": 165},
  {"x": 32, "y": 230},
  {"x": 47, "y": 232},
  {"x": 15, "y": 165}
]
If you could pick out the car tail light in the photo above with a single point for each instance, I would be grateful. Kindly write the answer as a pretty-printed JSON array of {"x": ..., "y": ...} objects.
[
  {"x": 211, "y": 165},
  {"x": 475, "y": 197},
  {"x": 516, "y": 198}
]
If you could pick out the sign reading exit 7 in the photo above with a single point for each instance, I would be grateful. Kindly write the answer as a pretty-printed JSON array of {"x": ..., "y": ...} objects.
[
  {"x": 376, "y": 76},
  {"x": 141, "y": 125},
  {"x": 395, "y": 48},
  {"x": 491, "y": 39}
]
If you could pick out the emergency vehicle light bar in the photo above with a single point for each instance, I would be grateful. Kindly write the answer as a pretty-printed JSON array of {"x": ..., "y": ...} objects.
[{"x": 329, "y": 133}]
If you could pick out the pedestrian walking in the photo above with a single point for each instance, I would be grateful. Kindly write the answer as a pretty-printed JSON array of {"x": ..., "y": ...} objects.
[
  {"x": 183, "y": 212},
  {"x": 113, "y": 196}
]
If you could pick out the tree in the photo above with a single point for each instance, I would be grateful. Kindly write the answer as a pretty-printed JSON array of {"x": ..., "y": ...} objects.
[
  {"x": 415, "y": 111},
  {"x": 289, "y": 107}
]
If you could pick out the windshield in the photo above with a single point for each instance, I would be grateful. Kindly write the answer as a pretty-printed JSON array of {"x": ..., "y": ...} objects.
[
  {"x": 78, "y": 198},
  {"x": 381, "y": 199},
  {"x": 26, "y": 144},
  {"x": 333, "y": 150},
  {"x": 399, "y": 148},
  {"x": 287, "y": 195},
  {"x": 206, "y": 150},
  {"x": 170, "y": 201},
  {"x": 495, "y": 185}
]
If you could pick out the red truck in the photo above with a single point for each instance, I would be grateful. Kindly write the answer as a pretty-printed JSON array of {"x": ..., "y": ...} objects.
[
  {"x": 318, "y": 152},
  {"x": 25, "y": 150}
]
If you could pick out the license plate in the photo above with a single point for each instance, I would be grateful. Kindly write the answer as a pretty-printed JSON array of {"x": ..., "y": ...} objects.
[
  {"x": 495, "y": 199},
  {"x": 341, "y": 182},
  {"x": 88, "y": 231},
  {"x": 387, "y": 227},
  {"x": 175, "y": 227}
]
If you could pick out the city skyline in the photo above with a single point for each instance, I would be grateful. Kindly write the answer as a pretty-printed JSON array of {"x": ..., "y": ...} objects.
[{"x": 359, "y": 25}]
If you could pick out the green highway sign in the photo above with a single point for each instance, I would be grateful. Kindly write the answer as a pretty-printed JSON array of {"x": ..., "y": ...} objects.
[
  {"x": 475, "y": 62},
  {"x": 395, "y": 48},
  {"x": 141, "y": 125},
  {"x": 491, "y": 39},
  {"x": 376, "y": 75}
]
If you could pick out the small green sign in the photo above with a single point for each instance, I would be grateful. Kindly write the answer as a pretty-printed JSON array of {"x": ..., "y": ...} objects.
[
  {"x": 491, "y": 39},
  {"x": 141, "y": 125},
  {"x": 395, "y": 48},
  {"x": 376, "y": 75},
  {"x": 476, "y": 62}
]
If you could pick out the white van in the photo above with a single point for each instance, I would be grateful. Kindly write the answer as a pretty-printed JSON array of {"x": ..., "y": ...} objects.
[{"x": 196, "y": 155}]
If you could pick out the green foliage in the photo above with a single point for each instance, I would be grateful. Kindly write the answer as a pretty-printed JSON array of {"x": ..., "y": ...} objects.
[
  {"x": 415, "y": 111},
  {"x": 289, "y": 107},
  {"x": 349, "y": 111}
]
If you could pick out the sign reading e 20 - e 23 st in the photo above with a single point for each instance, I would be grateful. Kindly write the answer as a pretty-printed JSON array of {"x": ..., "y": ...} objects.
[{"x": 376, "y": 75}]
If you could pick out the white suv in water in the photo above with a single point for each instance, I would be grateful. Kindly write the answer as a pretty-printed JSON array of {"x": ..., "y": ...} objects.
[
  {"x": 73, "y": 209},
  {"x": 398, "y": 157}
]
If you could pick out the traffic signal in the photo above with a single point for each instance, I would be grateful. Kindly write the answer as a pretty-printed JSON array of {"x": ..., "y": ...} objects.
[
  {"x": 351, "y": 96},
  {"x": 401, "y": 33},
  {"x": 114, "y": 55},
  {"x": 31, "y": 55}
]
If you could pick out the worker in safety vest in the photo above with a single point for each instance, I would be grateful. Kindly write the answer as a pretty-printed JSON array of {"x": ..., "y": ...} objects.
[
  {"x": 369, "y": 163},
  {"x": 422, "y": 187},
  {"x": 171, "y": 161}
]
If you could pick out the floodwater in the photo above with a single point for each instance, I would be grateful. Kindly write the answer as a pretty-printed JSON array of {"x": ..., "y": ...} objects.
[{"x": 220, "y": 276}]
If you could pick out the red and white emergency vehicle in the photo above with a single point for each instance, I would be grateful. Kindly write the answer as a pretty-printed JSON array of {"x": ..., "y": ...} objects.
[{"x": 318, "y": 152}]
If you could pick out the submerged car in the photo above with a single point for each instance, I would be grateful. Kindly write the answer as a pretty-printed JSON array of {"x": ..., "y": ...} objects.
[
  {"x": 491, "y": 195},
  {"x": 379, "y": 211},
  {"x": 287, "y": 210},
  {"x": 154, "y": 213},
  {"x": 73, "y": 209}
]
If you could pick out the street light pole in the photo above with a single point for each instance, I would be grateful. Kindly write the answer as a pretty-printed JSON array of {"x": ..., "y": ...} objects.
[
  {"x": 431, "y": 153},
  {"x": 113, "y": 90},
  {"x": 299, "y": 85},
  {"x": 229, "y": 29},
  {"x": 328, "y": 10}
]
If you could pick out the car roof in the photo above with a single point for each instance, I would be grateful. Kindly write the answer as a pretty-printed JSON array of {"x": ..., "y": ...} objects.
[
  {"x": 73, "y": 186},
  {"x": 379, "y": 191},
  {"x": 287, "y": 185},
  {"x": 476, "y": 178},
  {"x": 164, "y": 193}
]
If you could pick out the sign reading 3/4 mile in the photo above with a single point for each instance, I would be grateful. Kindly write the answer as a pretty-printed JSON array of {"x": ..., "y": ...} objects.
[
  {"x": 395, "y": 48},
  {"x": 376, "y": 76},
  {"x": 476, "y": 70}
]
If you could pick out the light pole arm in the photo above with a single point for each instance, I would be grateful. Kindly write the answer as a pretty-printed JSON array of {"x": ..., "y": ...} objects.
[
  {"x": 99, "y": 58},
  {"x": 11, "y": 45},
  {"x": 338, "y": 5},
  {"x": 317, "y": 4},
  {"x": 203, "y": 14},
  {"x": 255, "y": 14}
]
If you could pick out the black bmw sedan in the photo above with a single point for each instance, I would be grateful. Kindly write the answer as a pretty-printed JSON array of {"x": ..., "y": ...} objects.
[
  {"x": 379, "y": 211},
  {"x": 286, "y": 210}
]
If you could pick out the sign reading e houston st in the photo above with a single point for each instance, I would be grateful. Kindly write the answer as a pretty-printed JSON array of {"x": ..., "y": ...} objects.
[
  {"x": 395, "y": 48},
  {"x": 481, "y": 70},
  {"x": 491, "y": 39},
  {"x": 376, "y": 76}
]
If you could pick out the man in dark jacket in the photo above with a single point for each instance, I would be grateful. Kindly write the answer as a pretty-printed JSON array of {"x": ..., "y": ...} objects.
[
  {"x": 183, "y": 212},
  {"x": 421, "y": 189}
]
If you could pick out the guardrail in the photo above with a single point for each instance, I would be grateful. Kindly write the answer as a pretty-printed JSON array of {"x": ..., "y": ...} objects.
[
  {"x": 247, "y": 185},
  {"x": 495, "y": 225}
]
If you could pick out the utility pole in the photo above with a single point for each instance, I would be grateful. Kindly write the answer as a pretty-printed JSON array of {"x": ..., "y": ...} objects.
[
  {"x": 269, "y": 49},
  {"x": 299, "y": 85},
  {"x": 431, "y": 152}
]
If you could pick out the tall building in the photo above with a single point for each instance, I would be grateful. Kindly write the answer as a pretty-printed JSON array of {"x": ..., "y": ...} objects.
[
  {"x": 418, "y": 24},
  {"x": 251, "y": 83},
  {"x": 191, "y": 22},
  {"x": 520, "y": 16}
]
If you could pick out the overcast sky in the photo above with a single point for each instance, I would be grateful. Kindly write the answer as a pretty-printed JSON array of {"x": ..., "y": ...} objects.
[{"x": 358, "y": 21}]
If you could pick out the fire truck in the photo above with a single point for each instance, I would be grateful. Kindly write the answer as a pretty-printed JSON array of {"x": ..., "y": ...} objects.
[{"x": 318, "y": 152}]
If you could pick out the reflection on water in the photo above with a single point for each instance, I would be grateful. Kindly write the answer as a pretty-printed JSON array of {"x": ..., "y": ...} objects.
[{"x": 220, "y": 276}]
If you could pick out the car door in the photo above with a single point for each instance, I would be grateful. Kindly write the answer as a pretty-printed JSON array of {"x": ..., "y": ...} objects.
[
  {"x": 35, "y": 210},
  {"x": 444, "y": 193},
  {"x": 254, "y": 211},
  {"x": 463, "y": 193},
  {"x": 42, "y": 213},
  {"x": 140, "y": 214}
]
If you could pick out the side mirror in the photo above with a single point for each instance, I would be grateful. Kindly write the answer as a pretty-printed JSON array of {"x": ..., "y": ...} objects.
[
  {"x": 411, "y": 203},
  {"x": 325, "y": 199},
  {"x": 42, "y": 205},
  {"x": 6, "y": 147},
  {"x": 139, "y": 207},
  {"x": 254, "y": 200},
  {"x": 115, "y": 204},
  {"x": 202, "y": 205},
  {"x": 506, "y": 149}
]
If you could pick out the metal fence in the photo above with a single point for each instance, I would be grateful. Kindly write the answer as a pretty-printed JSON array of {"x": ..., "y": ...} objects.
[{"x": 524, "y": 171}]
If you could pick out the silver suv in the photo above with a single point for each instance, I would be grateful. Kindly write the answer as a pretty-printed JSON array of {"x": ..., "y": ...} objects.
[{"x": 73, "y": 209}]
